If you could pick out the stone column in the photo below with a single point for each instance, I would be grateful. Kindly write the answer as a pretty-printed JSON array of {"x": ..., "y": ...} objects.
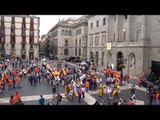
[
  {"x": 144, "y": 25},
  {"x": 129, "y": 29}
]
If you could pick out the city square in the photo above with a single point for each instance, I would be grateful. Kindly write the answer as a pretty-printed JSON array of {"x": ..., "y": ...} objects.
[{"x": 89, "y": 60}]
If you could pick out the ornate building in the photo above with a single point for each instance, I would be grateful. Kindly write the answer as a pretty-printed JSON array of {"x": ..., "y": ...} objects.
[
  {"x": 69, "y": 38},
  {"x": 19, "y": 36},
  {"x": 134, "y": 38}
]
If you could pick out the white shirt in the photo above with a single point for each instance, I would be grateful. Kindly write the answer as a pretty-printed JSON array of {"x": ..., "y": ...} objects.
[{"x": 109, "y": 90}]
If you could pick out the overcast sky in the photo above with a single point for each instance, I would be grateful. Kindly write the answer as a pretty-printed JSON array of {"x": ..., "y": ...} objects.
[{"x": 48, "y": 21}]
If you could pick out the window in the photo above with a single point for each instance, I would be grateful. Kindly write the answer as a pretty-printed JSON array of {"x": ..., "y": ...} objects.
[
  {"x": 23, "y": 32},
  {"x": 70, "y": 33},
  {"x": 115, "y": 18},
  {"x": 79, "y": 52},
  {"x": 62, "y": 32},
  {"x": 125, "y": 17},
  {"x": 2, "y": 39},
  {"x": 66, "y": 42},
  {"x": 2, "y": 18},
  {"x": 2, "y": 31},
  {"x": 79, "y": 41},
  {"x": 13, "y": 46},
  {"x": 66, "y": 33},
  {"x": 97, "y": 23},
  {"x": 12, "y": 31},
  {"x": 76, "y": 52},
  {"x": 114, "y": 37},
  {"x": 103, "y": 39},
  {"x": 13, "y": 20},
  {"x": 23, "y": 46},
  {"x": 91, "y": 25},
  {"x": 23, "y": 26},
  {"x": 104, "y": 21},
  {"x": 66, "y": 51},
  {"x": 23, "y": 21},
  {"x": 31, "y": 40},
  {"x": 91, "y": 40},
  {"x": 12, "y": 26},
  {"x": 31, "y": 20},
  {"x": 31, "y": 33},
  {"x": 31, "y": 46},
  {"x": 76, "y": 42},
  {"x": 96, "y": 40},
  {"x": 79, "y": 31},
  {"x": 23, "y": 40},
  {"x": 12, "y": 39}
]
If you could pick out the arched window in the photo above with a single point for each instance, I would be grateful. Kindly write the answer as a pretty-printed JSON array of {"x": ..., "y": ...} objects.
[
  {"x": 70, "y": 32},
  {"x": 91, "y": 40},
  {"x": 96, "y": 40},
  {"x": 66, "y": 33},
  {"x": 66, "y": 51},
  {"x": 103, "y": 39},
  {"x": 91, "y": 56},
  {"x": 97, "y": 57},
  {"x": 62, "y": 32}
]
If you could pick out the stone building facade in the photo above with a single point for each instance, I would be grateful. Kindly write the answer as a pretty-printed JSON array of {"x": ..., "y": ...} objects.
[
  {"x": 134, "y": 40},
  {"x": 19, "y": 36},
  {"x": 69, "y": 38}
]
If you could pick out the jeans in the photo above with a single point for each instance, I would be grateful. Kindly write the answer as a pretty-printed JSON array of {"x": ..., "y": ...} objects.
[
  {"x": 79, "y": 99},
  {"x": 132, "y": 91},
  {"x": 87, "y": 88}
]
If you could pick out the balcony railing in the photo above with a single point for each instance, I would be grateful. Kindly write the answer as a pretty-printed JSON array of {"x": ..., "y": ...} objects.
[
  {"x": 13, "y": 41},
  {"x": 23, "y": 42}
]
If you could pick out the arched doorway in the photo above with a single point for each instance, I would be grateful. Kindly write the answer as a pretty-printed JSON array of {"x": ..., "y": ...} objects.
[
  {"x": 109, "y": 59},
  {"x": 119, "y": 60},
  {"x": 91, "y": 56},
  {"x": 31, "y": 54},
  {"x": 96, "y": 57},
  {"x": 132, "y": 63}
]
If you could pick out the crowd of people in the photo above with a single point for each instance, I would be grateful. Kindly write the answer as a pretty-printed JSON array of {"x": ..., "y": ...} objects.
[{"x": 82, "y": 78}]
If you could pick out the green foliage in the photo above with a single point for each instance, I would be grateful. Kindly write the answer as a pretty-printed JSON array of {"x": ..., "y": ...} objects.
[{"x": 121, "y": 66}]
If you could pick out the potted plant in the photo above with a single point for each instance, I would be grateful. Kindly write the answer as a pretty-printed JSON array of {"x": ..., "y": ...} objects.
[{"x": 121, "y": 66}]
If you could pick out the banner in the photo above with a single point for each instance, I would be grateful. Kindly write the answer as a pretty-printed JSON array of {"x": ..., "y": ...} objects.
[{"x": 108, "y": 46}]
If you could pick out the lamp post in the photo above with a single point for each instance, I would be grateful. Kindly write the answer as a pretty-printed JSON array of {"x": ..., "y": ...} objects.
[{"x": 122, "y": 65}]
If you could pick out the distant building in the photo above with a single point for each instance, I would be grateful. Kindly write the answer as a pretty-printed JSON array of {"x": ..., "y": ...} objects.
[
  {"x": 19, "y": 36},
  {"x": 69, "y": 38}
]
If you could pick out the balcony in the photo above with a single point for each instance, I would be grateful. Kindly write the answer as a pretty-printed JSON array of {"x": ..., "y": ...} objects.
[
  {"x": 12, "y": 34},
  {"x": 23, "y": 42},
  {"x": 31, "y": 42},
  {"x": 13, "y": 42}
]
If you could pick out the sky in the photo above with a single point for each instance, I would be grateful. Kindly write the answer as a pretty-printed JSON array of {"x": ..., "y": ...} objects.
[{"x": 48, "y": 21}]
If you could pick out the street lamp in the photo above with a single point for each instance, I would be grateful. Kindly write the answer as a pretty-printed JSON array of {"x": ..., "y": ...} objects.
[{"x": 122, "y": 65}]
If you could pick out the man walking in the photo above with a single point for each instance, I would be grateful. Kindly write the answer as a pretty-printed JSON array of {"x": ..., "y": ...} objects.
[
  {"x": 132, "y": 89},
  {"x": 54, "y": 90},
  {"x": 41, "y": 100}
]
